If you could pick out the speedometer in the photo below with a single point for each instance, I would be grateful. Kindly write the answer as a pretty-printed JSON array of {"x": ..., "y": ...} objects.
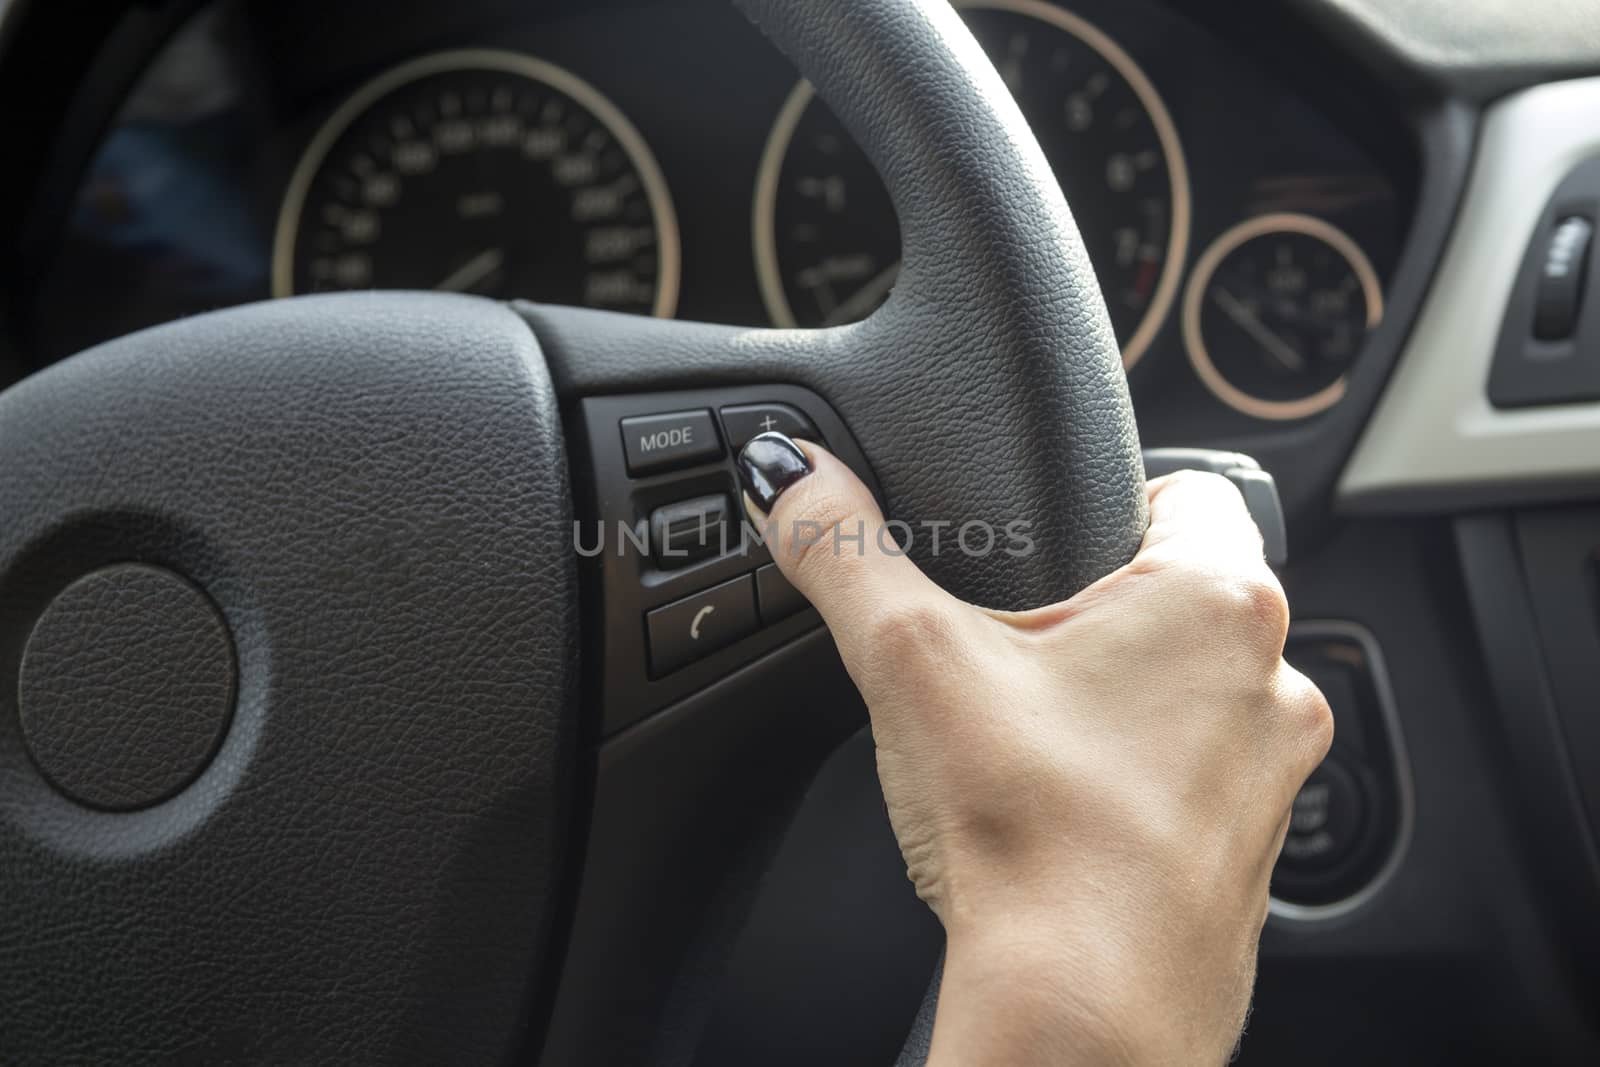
[
  {"x": 486, "y": 172},
  {"x": 827, "y": 241}
]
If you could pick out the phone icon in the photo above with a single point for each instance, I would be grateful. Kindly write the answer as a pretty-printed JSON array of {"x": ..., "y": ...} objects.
[{"x": 699, "y": 617}]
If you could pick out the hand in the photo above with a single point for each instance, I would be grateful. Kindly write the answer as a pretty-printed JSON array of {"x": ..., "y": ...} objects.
[{"x": 1090, "y": 795}]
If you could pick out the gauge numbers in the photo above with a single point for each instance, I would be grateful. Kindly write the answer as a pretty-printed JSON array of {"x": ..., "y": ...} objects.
[
  {"x": 1277, "y": 309},
  {"x": 481, "y": 172},
  {"x": 826, "y": 239}
]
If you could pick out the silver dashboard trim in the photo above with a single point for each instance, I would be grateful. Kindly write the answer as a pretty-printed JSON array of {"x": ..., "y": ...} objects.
[{"x": 1434, "y": 428}]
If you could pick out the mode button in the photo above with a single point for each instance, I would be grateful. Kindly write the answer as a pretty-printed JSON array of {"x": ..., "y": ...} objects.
[{"x": 678, "y": 439}]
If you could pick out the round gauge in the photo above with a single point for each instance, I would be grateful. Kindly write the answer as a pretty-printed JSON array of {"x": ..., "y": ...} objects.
[
  {"x": 481, "y": 172},
  {"x": 1276, "y": 311},
  {"x": 826, "y": 239}
]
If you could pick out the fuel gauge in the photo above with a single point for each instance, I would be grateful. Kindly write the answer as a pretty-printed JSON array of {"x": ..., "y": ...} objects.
[{"x": 1277, "y": 310}]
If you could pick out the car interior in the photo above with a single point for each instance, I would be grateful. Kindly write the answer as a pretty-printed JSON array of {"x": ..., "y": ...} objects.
[{"x": 371, "y": 374}]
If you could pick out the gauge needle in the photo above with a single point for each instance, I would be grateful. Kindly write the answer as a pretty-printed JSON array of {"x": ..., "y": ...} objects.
[
  {"x": 1251, "y": 324},
  {"x": 473, "y": 271},
  {"x": 860, "y": 303}
]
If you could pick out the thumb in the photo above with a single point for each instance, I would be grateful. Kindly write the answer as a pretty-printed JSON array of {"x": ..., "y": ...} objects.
[{"x": 829, "y": 539}]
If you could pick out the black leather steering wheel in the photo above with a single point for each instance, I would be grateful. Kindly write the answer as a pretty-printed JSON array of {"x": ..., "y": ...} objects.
[{"x": 301, "y": 757}]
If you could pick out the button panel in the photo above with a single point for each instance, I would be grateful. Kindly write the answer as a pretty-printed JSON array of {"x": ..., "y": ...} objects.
[
  {"x": 695, "y": 626},
  {"x": 652, "y": 468},
  {"x": 655, "y": 443}
]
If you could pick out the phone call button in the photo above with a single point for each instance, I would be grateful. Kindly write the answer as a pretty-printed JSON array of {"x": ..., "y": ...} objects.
[{"x": 696, "y": 626}]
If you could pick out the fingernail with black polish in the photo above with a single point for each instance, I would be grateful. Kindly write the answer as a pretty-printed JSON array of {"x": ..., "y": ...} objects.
[{"x": 768, "y": 465}]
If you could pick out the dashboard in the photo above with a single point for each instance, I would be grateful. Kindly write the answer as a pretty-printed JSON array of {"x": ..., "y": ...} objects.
[{"x": 664, "y": 159}]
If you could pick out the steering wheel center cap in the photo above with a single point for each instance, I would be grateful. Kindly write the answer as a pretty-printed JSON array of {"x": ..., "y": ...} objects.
[{"x": 126, "y": 687}]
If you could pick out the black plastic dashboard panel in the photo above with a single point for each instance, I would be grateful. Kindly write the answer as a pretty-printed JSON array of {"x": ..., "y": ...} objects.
[
  {"x": 1511, "y": 615},
  {"x": 1561, "y": 558}
]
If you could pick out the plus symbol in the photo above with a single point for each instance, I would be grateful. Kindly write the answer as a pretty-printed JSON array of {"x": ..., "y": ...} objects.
[{"x": 767, "y": 423}]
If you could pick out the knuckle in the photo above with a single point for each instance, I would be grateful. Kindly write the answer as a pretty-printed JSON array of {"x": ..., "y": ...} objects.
[
  {"x": 1316, "y": 724},
  {"x": 1307, "y": 719},
  {"x": 910, "y": 632},
  {"x": 1253, "y": 604},
  {"x": 1266, "y": 604}
]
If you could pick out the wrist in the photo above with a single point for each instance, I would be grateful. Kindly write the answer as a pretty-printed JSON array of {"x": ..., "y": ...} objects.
[{"x": 1023, "y": 992}]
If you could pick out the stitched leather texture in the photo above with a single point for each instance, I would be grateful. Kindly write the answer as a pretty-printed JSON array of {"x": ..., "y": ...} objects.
[
  {"x": 372, "y": 489},
  {"x": 989, "y": 387}
]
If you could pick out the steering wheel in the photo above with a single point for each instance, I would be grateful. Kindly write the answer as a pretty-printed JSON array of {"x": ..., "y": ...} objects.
[{"x": 321, "y": 739}]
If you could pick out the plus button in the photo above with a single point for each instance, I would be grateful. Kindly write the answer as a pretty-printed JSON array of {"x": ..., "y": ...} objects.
[{"x": 744, "y": 421}]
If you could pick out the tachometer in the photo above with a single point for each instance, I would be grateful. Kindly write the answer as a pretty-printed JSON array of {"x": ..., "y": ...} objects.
[
  {"x": 827, "y": 241},
  {"x": 486, "y": 172}
]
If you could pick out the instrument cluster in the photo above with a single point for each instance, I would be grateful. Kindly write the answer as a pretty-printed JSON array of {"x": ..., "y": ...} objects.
[{"x": 664, "y": 160}]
